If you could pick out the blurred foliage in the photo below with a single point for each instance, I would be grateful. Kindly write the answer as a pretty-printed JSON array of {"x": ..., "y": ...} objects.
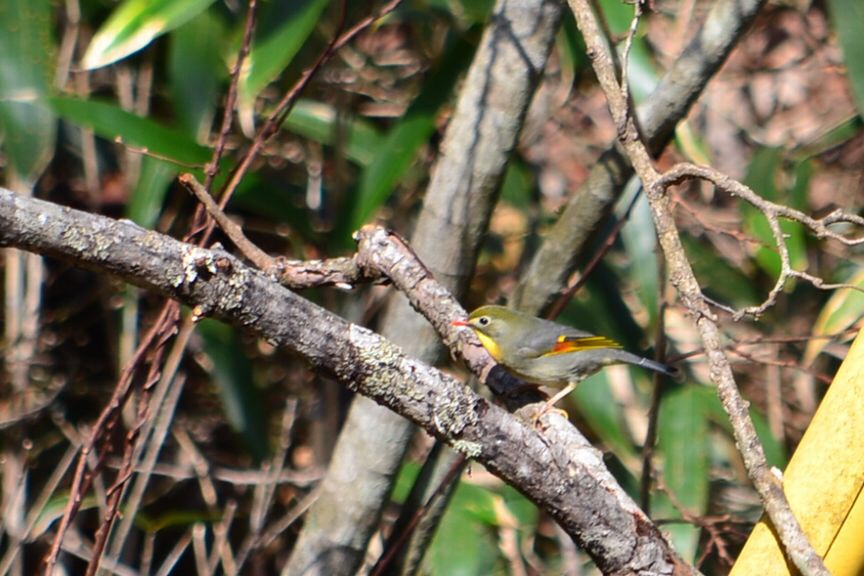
[
  {"x": 27, "y": 51},
  {"x": 142, "y": 100}
]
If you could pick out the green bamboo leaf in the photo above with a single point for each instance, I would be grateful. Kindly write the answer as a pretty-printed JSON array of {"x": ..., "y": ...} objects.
[
  {"x": 233, "y": 376},
  {"x": 597, "y": 406},
  {"x": 405, "y": 138},
  {"x": 571, "y": 49},
  {"x": 54, "y": 510},
  {"x": 518, "y": 184},
  {"x": 112, "y": 122},
  {"x": 274, "y": 199},
  {"x": 834, "y": 137},
  {"x": 640, "y": 242},
  {"x": 842, "y": 310},
  {"x": 719, "y": 279},
  {"x": 847, "y": 17},
  {"x": 290, "y": 24},
  {"x": 683, "y": 442},
  {"x": 197, "y": 71},
  {"x": 766, "y": 165},
  {"x": 150, "y": 189},
  {"x": 641, "y": 73},
  {"x": 175, "y": 518},
  {"x": 26, "y": 60},
  {"x": 775, "y": 453},
  {"x": 317, "y": 121},
  {"x": 463, "y": 544},
  {"x": 135, "y": 24}
]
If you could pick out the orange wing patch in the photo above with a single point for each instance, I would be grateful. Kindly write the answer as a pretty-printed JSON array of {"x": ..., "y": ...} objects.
[{"x": 577, "y": 344}]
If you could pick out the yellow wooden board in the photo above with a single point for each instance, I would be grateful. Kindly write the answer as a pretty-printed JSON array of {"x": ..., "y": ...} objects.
[{"x": 823, "y": 482}]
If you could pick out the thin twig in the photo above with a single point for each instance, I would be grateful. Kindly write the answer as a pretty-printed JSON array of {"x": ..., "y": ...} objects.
[
  {"x": 772, "y": 212},
  {"x": 794, "y": 541},
  {"x": 212, "y": 167},
  {"x": 608, "y": 243},
  {"x": 81, "y": 480},
  {"x": 455, "y": 468},
  {"x": 283, "y": 108}
]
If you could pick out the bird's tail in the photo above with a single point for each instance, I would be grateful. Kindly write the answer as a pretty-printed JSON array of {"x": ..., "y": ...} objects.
[{"x": 665, "y": 369}]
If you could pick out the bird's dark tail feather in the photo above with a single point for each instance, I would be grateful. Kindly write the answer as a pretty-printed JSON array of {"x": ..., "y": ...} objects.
[{"x": 671, "y": 371}]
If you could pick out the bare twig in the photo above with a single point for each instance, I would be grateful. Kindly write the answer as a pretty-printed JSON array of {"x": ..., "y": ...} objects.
[
  {"x": 283, "y": 108},
  {"x": 108, "y": 417},
  {"x": 681, "y": 274},
  {"x": 820, "y": 227},
  {"x": 295, "y": 274},
  {"x": 212, "y": 167},
  {"x": 161, "y": 413},
  {"x": 166, "y": 327},
  {"x": 708, "y": 523}
]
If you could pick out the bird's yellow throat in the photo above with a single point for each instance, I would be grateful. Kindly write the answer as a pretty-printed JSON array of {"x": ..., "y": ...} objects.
[{"x": 490, "y": 345}]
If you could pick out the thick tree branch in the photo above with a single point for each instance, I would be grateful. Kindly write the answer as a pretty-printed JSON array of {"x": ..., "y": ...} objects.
[
  {"x": 558, "y": 470},
  {"x": 463, "y": 188}
]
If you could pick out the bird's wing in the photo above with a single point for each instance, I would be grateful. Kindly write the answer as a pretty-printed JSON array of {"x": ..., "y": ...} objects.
[
  {"x": 554, "y": 338},
  {"x": 579, "y": 343}
]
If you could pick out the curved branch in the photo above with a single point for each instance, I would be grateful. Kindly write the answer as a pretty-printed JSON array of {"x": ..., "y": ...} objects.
[{"x": 820, "y": 227}]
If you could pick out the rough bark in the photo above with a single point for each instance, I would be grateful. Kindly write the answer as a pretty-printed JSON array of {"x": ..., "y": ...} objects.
[
  {"x": 557, "y": 469},
  {"x": 456, "y": 209}
]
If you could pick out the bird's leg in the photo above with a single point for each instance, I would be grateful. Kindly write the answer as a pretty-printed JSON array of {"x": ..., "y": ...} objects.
[{"x": 550, "y": 403}]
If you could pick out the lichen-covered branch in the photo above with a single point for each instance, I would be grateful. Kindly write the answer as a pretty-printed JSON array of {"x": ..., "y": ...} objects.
[{"x": 558, "y": 470}]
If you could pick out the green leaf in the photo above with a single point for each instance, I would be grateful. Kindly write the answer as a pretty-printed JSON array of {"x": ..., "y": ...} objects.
[
  {"x": 290, "y": 25},
  {"x": 317, "y": 121},
  {"x": 54, "y": 510},
  {"x": 762, "y": 174},
  {"x": 112, "y": 122},
  {"x": 718, "y": 278},
  {"x": 847, "y": 17},
  {"x": 464, "y": 543},
  {"x": 518, "y": 184},
  {"x": 842, "y": 310},
  {"x": 150, "y": 189},
  {"x": 134, "y": 25},
  {"x": 275, "y": 199},
  {"x": 775, "y": 453},
  {"x": 523, "y": 509},
  {"x": 597, "y": 406},
  {"x": 642, "y": 75},
  {"x": 197, "y": 71},
  {"x": 414, "y": 128},
  {"x": 683, "y": 442},
  {"x": 233, "y": 375},
  {"x": 834, "y": 137},
  {"x": 571, "y": 49},
  {"x": 640, "y": 242},
  {"x": 26, "y": 60},
  {"x": 175, "y": 518}
]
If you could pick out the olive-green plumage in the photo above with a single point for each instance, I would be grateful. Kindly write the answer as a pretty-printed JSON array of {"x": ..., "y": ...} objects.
[{"x": 547, "y": 353}]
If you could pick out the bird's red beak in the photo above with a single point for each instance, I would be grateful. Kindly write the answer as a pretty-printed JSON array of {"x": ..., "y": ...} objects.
[{"x": 459, "y": 323}]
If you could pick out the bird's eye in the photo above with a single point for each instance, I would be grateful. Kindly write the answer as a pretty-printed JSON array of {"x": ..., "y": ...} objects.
[{"x": 483, "y": 321}]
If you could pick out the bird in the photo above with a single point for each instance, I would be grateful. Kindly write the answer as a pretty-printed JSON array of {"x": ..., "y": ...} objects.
[{"x": 546, "y": 353}]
